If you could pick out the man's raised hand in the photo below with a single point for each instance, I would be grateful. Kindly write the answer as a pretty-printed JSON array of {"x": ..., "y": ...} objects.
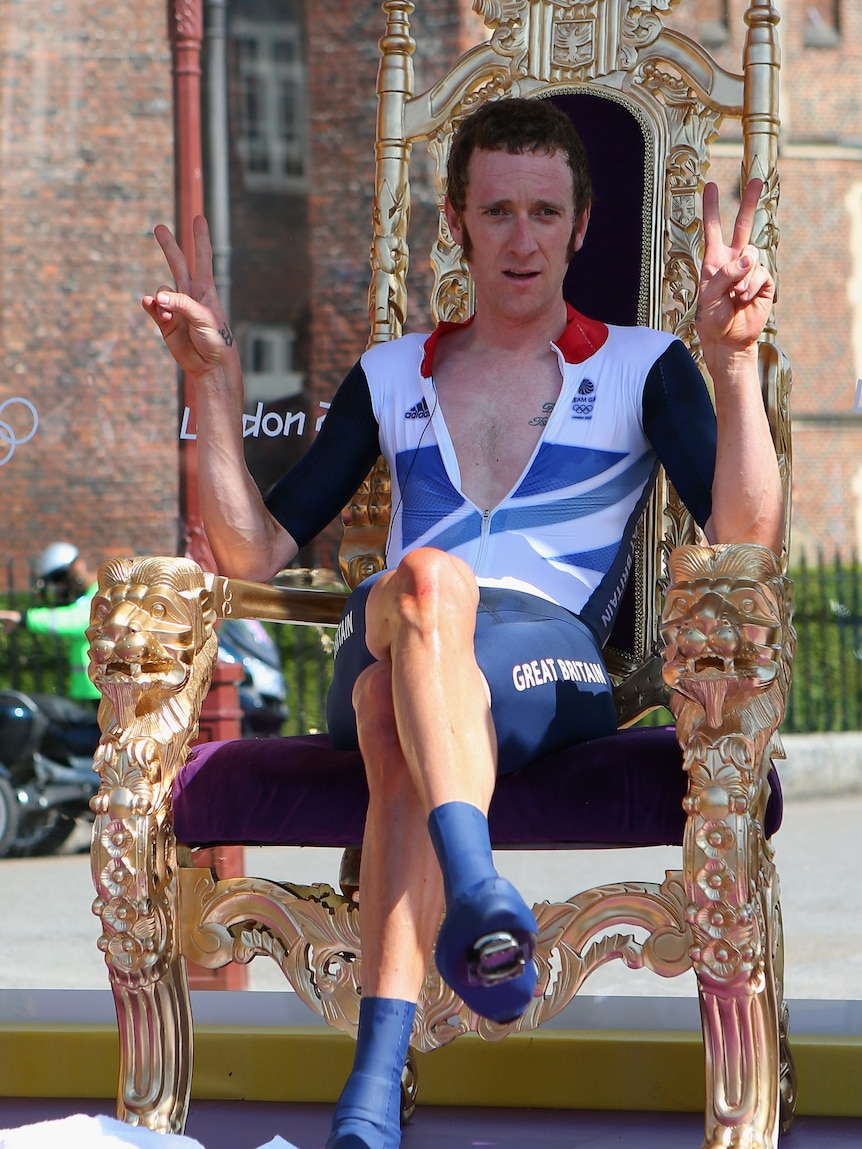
[
  {"x": 191, "y": 318},
  {"x": 736, "y": 292}
]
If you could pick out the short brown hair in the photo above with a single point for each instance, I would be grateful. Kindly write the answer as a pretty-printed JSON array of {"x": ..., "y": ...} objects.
[{"x": 517, "y": 125}]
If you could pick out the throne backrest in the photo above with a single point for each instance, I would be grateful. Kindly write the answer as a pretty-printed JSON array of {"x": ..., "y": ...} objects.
[{"x": 648, "y": 102}]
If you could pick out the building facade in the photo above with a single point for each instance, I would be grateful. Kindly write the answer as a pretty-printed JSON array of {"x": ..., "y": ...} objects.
[
  {"x": 88, "y": 449},
  {"x": 819, "y": 309},
  {"x": 289, "y": 107}
]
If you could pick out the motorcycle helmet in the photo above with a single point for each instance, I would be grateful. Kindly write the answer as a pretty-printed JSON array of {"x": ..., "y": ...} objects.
[
  {"x": 55, "y": 561},
  {"x": 54, "y": 570}
]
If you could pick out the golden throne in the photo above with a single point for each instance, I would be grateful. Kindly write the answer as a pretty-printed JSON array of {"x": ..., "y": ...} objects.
[{"x": 649, "y": 101}]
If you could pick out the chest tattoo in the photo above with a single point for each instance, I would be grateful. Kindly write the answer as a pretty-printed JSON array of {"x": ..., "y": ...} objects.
[{"x": 541, "y": 420}]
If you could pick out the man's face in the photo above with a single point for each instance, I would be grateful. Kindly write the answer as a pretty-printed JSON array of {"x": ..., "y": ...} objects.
[{"x": 518, "y": 227}]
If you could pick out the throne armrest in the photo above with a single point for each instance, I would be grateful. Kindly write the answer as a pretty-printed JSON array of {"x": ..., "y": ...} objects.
[
  {"x": 153, "y": 648},
  {"x": 237, "y": 598},
  {"x": 729, "y": 643}
]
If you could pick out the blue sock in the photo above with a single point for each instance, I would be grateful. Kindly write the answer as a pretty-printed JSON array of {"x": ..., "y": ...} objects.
[
  {"x": 368, "y": 1112},
  {"x": 485, "y": 946},
  {"x": 459, "y": 833}
]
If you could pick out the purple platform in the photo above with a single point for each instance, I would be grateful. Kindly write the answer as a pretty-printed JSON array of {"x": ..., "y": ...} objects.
[{"x": 248, "y": 1125}]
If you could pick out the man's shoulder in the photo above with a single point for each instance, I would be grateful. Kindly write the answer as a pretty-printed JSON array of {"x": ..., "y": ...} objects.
[
  {"x": 638, "y": 339},
  {"x": 395, "y": 351}
]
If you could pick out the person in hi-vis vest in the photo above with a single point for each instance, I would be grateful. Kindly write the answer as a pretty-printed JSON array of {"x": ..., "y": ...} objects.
[{"x": 62, "y": 568}]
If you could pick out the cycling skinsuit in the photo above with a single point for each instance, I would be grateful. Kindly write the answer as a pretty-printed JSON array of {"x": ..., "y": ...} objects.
[{"x": 556, "y": 552}]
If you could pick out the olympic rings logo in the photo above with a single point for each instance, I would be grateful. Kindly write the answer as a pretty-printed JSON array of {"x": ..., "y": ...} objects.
[{"x": 9, "y": 438}]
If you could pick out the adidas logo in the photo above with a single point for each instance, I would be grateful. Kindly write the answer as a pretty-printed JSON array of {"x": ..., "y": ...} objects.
[{"x": 420, "y": 411}]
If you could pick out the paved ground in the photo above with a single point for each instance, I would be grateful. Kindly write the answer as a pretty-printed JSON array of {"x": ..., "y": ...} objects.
[
  {"x": 48, "y": 935},
  {"x": 48, "y": 942}
]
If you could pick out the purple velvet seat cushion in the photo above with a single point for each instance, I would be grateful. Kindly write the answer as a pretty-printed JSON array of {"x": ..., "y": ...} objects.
[{"x": 626, "y": 790}]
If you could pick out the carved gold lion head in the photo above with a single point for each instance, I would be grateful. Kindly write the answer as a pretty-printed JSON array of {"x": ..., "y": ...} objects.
[
  {"x": 726, "y": 626},
  {"x": 151, "y": 622}
]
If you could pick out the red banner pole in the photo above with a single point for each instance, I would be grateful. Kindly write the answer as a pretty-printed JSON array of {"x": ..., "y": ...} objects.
[
  {"x": 220, "y": 717},
  {"x": 186, "y": 32}
]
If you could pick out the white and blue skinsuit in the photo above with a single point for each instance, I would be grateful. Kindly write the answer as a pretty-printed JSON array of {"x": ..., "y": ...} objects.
[{"x": 552, "y": 558}]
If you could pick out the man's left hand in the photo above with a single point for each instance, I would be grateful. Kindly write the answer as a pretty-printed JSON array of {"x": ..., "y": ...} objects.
[{"x": 736, "y": 292}]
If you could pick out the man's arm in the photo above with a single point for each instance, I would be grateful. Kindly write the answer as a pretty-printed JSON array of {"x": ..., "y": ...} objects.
[
  {"x": 246, "y": 540},
  {"x": 736, "y": 295},
  {"x": 68, "y": 620}
]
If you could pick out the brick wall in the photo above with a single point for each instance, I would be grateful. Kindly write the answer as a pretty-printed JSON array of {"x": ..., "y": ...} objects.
[
  {"x": 820, "y": 324},
  {"x": 85, "y": 101},
  {"x": 819, "y": 311},
  {"x": 343, "y": 49}
]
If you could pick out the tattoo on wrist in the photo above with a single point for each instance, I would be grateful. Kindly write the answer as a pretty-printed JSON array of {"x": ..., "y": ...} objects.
[
  {"x": 541, "y": 420},
  {"x": 225, "y": 333}
]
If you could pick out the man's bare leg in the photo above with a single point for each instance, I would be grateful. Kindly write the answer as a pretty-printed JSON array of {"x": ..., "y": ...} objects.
[
  {"x": 401, "y": 900},
  {"x": 401, "y": 892},
  {"x": 421, "y": 618},
  {"x": 425, "y": 731},
  {"x": 420, "y": 622}
]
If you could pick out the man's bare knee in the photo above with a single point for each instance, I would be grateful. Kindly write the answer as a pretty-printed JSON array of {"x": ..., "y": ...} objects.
[
  {"x": 429, "y": 592},
  {"x": 431, "y": 571},
  {"x": 430, "y": 583}
]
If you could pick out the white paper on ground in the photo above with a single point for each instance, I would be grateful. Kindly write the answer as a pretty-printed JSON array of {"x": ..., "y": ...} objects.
[{"x": 82, "y": 1132}]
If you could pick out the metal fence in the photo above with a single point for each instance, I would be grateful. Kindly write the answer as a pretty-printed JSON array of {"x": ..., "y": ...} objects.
[
  {"x": 29, "y": 662},
  {"x": 827, "y": 671},
  {"x": 827, "y": 675},
  {"x": 36, "y": 663}
]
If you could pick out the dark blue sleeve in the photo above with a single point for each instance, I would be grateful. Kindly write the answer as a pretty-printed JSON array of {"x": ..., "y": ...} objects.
[
  {"x": 679, "y": 421},
  {"x": 317, "y": 488}
]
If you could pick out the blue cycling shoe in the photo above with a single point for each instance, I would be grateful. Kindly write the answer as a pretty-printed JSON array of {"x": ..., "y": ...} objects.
[
  {"x": 485, "y": 950},
  {"x": 368, "y": 1112}
]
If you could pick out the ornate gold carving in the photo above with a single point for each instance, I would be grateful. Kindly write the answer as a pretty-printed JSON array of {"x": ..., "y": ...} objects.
[
  {"x": 366, "y": 526},
  {"x": 575, "y": 44},
  {"x": 387, "y": 296},
  {"x": 152, "y": 649},
  {"x": 641, "y": 25},
  {"x": 730, "y": 644},
  {"x": 693, "y": 127},
  {"x": 312, "y": 933},
  {"x": 555, "y": 40},
  {"x": 510, "y": 24}
]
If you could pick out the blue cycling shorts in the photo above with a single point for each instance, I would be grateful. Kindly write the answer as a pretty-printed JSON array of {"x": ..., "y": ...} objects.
[{"x": 549, "y": 687}]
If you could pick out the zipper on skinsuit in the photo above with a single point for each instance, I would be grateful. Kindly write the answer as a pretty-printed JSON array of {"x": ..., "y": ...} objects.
[{"x": 483, "y": 540}]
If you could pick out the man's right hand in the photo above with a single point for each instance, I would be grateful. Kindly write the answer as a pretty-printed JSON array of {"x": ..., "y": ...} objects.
[
  {"x": 9, "y": 619},
  {"x": 191, "y": 318}
]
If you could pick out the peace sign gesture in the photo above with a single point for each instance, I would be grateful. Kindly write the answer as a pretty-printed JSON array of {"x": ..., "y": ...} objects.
[
  {"x": 191, "y": 318},
  {"x": 736, "y": 292}
]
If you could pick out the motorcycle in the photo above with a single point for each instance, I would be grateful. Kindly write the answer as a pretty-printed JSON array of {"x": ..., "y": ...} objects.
[
  {"x": 46, "y": 770},
  {"x": 263, "y": 690},
  {"x": 47, "y": 744}
]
